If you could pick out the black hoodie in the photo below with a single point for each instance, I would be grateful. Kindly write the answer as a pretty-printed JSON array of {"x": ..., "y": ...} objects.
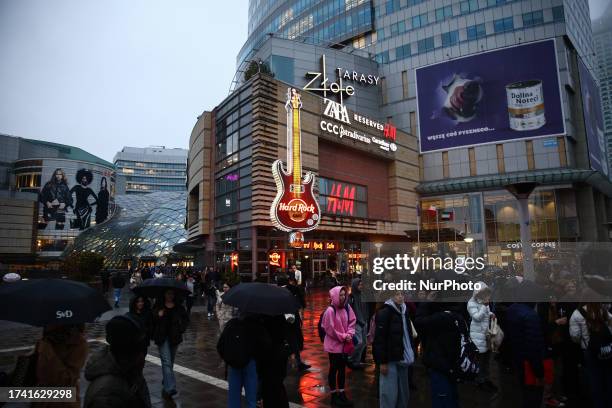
[{"x": 111, "y": 386}]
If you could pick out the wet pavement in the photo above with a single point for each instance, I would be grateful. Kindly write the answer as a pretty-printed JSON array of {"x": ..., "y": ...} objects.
[{"x": 200, "y": 372}]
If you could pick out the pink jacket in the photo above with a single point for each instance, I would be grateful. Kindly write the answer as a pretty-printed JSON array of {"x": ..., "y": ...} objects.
[{"x": 339, "y": 326}]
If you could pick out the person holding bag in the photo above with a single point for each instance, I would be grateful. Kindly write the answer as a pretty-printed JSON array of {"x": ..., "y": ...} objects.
[
  {"x": 338, "y": 323},
  {"x": 480, "y": 313}
]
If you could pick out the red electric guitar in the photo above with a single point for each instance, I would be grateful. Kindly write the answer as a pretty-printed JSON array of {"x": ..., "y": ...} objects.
[{"x": 295, "y": 207}]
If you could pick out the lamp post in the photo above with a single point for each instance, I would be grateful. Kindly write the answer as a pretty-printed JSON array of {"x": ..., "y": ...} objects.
[
  {"x": 378, "y": 245},
  {"x": 468, "y": 241}
]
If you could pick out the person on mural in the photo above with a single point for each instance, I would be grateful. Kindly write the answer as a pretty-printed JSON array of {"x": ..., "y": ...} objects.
[
  {"x": 103, "y": 199},
  {"x": 56, "y": 198},
  {"x": 82, "y": 209}
]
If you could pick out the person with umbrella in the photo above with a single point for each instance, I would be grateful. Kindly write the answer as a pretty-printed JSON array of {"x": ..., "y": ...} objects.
[
  {"x": 140, "y": 308},
  {"x": 170, "y": 321}
]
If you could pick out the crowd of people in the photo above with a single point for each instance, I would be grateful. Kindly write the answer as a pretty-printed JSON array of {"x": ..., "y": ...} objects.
[{"x": 551, "y": 347}]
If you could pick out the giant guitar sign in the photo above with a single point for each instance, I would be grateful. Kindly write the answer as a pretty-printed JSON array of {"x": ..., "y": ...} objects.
[{"x": 295, "y": 207}]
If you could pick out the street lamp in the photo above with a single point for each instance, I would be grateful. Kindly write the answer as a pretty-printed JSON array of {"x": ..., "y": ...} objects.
[{"x": 378, "y": 245}]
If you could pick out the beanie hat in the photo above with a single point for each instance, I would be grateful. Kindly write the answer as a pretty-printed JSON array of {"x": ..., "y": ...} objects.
[{"x": 126, "y": 334}]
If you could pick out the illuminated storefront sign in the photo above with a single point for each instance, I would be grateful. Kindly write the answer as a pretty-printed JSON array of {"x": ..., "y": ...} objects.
[
  {"x": 295, "y": 207},
  {"x": 233, "y": 261},
  {"x": 343, "y": 199},
  {"x": 322, "y": 245},
  {"x": 518, "y": 245},
  {"x": 357, "y": 256},
  {"x": 276, "y": 259}
]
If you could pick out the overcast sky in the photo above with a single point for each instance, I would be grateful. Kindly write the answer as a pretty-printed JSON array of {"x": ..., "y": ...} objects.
[{"x": 101, "y": 75}]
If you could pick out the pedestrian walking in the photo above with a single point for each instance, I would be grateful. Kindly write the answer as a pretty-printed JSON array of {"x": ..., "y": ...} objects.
[
  {"x": 61, "y": 354},
  {"x": 224, "y": 311},
  {"x": 135, "y": 279},
  {"x": 440, "y": 328},
  {"x": 591, "y": 327},
  {"x": 481, "y": 316},
  {"x": 105, "y": 278},
  {"x": 170, "y": 321},
  {"x": 296, "y": 273},
  {"x": 189, "y": 281},
  {"x": 360, "y": 309},
  {"x": 392, "y": 350},
  {"x": 296, "y": 337},
  {"x": 118, "y": 283},
  {"x": 115, "y": 372},
  {"x": 338, "y": 323},
  {"x": 140, "y": 308},
  {"x": 272, "y": 368},
  {"x": 526, "y": 339},
  {"x": 210, "y": 290}
]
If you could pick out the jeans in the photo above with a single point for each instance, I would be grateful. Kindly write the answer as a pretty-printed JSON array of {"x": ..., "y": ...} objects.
[
  {"x": 337, "y": 371},
  {"x": 242, "y": 377},
  {"x": 117, "y": 294},
  {"x": 394, "y": 390},
  {"x": 599, "y": 377},
  {"x": 443, "y": 391},
  {"x": 211, "y": 301},
  {"x": 360, "y": 336},
  {"x": 167, "y": 353}
]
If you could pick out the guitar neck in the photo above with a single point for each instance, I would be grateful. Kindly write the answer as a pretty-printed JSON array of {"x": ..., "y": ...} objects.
[{"x": 296, "y": 146}]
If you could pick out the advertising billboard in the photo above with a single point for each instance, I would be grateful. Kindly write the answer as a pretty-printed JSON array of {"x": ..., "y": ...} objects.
[
  {"x": 593, "y": 119},
  {"x": 497, "y": 96}
]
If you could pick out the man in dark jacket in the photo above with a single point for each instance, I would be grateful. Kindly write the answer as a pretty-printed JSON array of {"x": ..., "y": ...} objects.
[
  {"x": 360, "y": 309},
  {"x": 392, "y": 349},
  {"x": 438, "y": 327},
  {"x": 115, "y": 372},
  {"x": 524, "y": 334}
]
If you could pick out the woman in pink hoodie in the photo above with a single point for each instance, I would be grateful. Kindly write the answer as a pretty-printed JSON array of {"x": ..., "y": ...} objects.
[{"x": 339, "y": 325}]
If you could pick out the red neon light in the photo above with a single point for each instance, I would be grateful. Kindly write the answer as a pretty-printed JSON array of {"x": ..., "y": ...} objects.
[
  {"x": 390, "y": 131},
  {"x": 341, "y": 199}
]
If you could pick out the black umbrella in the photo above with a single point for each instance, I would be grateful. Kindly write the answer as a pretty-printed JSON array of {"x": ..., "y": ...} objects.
[
  {"x": 40, "y": 302},
  {"x": 155, "y": 287},
  {"x": 261, "y": 298}
]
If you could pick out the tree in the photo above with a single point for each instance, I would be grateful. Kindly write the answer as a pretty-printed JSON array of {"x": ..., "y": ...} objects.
[
  {"x": 83, "y": 266},
  {"x": 256, "y": 67}
]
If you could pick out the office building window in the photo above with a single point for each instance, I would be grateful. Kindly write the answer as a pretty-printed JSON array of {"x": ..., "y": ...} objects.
[
  {"x": 468, "y": 6},
  {"x": 450, "y": 38},
  {"x": 391, "y": 6},
  {"x": 426, "y": 44},
  {"x": 398, "y": 28},
  {"x": 492, "y": 3},
  {"x": 419, "y": 21},
  {"x": 443, "y": 13},
  {"x": 476, "y": 31},
  {"x": 558, "y": 13},
  {"x": 503, "y": 24},
  {"x": 402, "y": 52},
  {"x": 383, "y": 57},
  {"x": 533, "y": 18}
]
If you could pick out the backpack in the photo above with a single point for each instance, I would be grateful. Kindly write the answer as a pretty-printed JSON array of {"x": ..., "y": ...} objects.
[
  {"x": 233, "y": 345},
  {"x": 467, "y": 366},
  {"x": 600, "y": 344},
  {"x": 320, "y": 328}
]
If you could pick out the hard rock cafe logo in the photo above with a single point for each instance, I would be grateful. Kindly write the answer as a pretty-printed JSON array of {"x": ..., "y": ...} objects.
[{"x": 295, "y": 207}]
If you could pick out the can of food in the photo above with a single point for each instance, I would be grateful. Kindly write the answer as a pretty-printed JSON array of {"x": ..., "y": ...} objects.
[{"x": 526, "y": 105}]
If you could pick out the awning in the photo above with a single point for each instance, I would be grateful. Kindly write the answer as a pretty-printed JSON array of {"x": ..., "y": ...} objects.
[
  {"x": 191, "y": 245},
  {"x": 499, "y": 181}
]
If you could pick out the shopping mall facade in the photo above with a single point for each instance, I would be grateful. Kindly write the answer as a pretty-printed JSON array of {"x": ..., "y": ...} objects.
[{"x": 484, "y": 95}]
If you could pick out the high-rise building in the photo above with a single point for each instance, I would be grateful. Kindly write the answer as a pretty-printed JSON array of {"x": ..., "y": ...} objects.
[
  {"x": 148, "y": 169},
  {"x": 498, "y": 92},
  {"x": 602, "y": 37}
]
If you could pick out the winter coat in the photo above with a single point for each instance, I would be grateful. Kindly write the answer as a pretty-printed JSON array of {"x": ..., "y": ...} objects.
[
  {"x": 524, "y": 333},
  {"x": 579, "y": 331},
  {"x": 481, "y": 316},
  {"x": 438, "y": 328},
  {"x": 145, "y": 316},
  {"x": 171, "y": 326},
  {"x": 111, "y": 386},
  {"x": 359, "y": 307},
  {"x": 224, "y": 311},
  {"x": 338, "y": 323},
  {"x": 388, "y": 345},
  {"x": 59, "y": 364}
]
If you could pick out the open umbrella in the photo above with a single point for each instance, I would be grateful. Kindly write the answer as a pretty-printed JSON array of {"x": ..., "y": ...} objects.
[
  {"x": 261, "y": 298},
  {"x": 40, "y": 302},
  {"x": 155, "y": 287}
]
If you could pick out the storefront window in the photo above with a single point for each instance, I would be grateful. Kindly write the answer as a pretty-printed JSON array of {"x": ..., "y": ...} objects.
[{"x": 342, "y": 198}]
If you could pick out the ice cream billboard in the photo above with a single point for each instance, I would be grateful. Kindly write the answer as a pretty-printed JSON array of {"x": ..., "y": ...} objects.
[
  {"x": 497, "y": 96},
  {"x": 593, "y": 119}
]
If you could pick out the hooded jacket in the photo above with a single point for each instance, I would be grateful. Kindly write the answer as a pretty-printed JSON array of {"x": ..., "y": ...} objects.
[
  {"x": 111, "y": 386},
  {"x": 338, "y": 323},
  {"x": 359, "y": 308},
  {"x": 481, "y": 315},
  {"x": 393, "y": 335}
]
